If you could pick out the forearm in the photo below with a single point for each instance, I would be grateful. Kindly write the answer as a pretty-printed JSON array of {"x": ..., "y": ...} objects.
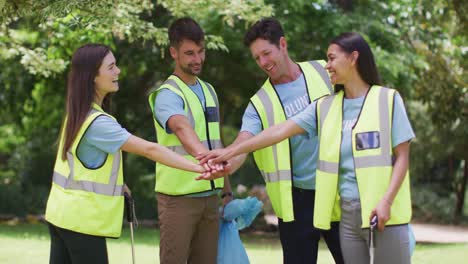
[
  {"x": 398, "y": 174},
  {"x": 268, "y": 137},
  {"x": 227, "y": 185},
  {"x": 182, "y": 128},
  {"x": 190, "y": 142},
  {"x": 158, "y": 153},
  {"x": 236, "y": 162},
  {"x": 167, "y": 157}
]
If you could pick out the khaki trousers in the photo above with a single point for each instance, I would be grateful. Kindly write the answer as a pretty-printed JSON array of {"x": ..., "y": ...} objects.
[{"x": 189, "y": 229}]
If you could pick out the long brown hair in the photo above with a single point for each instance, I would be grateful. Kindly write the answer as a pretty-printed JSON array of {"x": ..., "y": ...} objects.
[
  {"x": 85, "y": 65},
  {"x": 367, "y": 69}
]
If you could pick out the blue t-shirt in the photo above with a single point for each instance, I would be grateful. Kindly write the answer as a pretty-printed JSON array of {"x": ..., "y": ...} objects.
[
  {"x": 167, "y": 104},
  {"x": 295, "y": 99},
  {"x": 104, "y": 136},
  {"x": 401, "y": 132}
]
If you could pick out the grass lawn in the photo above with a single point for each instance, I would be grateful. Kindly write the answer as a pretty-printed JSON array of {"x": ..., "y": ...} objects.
[{"x": 29, "y": 243}]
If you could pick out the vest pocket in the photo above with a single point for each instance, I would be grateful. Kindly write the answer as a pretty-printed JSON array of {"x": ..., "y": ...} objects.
[
  {"x": 212, "y": 114},
  {"x": 367, "y": 140}
]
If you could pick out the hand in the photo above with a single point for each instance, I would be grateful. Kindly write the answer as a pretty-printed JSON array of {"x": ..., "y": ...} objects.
[
  {"x": 382, "y": 210},
  {"x": 214, "y": 171},
  {"x": 127, "y": 190},
  {"x": 217, "y": 156},
  {"x": 228, "y": 197}
]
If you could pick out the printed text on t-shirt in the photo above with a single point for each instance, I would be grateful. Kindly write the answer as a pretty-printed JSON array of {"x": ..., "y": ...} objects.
[{"x": 296, "y": 106}]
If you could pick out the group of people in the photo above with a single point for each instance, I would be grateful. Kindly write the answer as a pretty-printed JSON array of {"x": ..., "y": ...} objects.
[{"x": 331, "y": 143}]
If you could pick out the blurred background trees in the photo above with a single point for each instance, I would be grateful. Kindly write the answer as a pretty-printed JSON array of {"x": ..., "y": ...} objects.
[{"x": 420, "y": 48}]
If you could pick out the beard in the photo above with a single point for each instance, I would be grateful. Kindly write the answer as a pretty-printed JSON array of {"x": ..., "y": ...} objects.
[{"x": 189, "y": 69}]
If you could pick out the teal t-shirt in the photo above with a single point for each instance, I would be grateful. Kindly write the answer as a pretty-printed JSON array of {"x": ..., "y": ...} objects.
[
  {"x": 104, "y": 136},
  {"x": 167, "y": 104},
  {"x": 294, "y": 98},
  {"x": 401, "y": 132}
]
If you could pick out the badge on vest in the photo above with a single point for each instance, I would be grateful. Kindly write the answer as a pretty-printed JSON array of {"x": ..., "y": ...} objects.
[
  {"x": 211, "y": 114},
  {"x": 367, "y": 140}
]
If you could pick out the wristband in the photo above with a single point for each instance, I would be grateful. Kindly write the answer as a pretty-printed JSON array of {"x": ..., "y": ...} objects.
[{"x": 226, "y": 194}]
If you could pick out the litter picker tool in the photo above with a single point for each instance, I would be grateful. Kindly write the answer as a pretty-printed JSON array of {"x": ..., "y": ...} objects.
[
  {"x": 372, "y": 238},
  {"x": 131, "y": 219}
]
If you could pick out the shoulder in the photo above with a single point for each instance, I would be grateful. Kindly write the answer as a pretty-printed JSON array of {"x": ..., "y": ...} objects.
[
  {"x": 205, "y": 83},
  {"x": 104, "y": 121}
]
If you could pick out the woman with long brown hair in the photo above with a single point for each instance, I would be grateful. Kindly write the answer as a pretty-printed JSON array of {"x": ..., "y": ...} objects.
[{"x": 85, "y": 204}]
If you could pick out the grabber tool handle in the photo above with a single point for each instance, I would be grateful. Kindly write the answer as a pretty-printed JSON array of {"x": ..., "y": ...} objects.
[{"x": 129, "y": 207}]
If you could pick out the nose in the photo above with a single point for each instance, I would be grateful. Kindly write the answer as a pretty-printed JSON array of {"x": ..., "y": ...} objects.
[
  {"x": 327, "y": 66},
  {"x": 197, "y": 58},
  {"x": 117, "y": 70},
  {"x": 262, "y": 61}
]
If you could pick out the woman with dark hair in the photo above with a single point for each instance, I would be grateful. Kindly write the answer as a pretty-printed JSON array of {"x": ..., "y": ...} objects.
[
  {"x": 86, "y": 201},
  {"x": 364, "y": 136}
]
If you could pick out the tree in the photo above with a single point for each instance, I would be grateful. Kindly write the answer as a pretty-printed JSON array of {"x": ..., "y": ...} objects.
[{"x": 37, "y": 39}]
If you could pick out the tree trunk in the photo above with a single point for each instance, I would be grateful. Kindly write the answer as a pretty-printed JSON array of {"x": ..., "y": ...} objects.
[
  {"x": 346, "y": 5},
  {"x": 460, "y": 190}
]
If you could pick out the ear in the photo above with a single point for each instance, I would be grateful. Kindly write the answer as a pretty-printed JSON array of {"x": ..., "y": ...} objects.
[
  {"x": 354, "y": 57},
  {"x": 283, "y": 43},
  {"x": 173, "y": 52}
]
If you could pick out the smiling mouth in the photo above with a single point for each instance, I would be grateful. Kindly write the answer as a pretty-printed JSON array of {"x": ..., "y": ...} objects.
[
  {"x": 115, "y": 81},
  {"x": 269, "y": 68}
]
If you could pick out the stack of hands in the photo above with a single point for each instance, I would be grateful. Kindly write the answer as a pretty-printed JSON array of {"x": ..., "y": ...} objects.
[{"x": 216, "y": 163}]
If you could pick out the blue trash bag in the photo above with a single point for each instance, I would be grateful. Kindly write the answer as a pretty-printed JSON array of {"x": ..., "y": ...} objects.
[
  {"x": 230, "y": 248},
  {"x": 412, "y": 239},
  {"x": 243, "y": 211}
]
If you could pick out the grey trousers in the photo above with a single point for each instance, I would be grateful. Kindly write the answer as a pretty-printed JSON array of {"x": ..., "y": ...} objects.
[{"x": 392, "y": 245}]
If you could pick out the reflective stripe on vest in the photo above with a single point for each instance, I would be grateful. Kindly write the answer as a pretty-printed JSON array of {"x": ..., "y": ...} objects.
[
  {"x": 279, "y": 175},
  {"x": 215, "y": 144},
  {"x": 176, "y": 86},
  {"x": 205, "y": 123},
  {"x": 372, "y": 160},
  {"x": 275, "y": 162},
  {"x": 111, "y": 188},
  {"x": 385, "y": 158},
  {"x": 84, "y": 200},
  {"x": 319, "y": 67}
]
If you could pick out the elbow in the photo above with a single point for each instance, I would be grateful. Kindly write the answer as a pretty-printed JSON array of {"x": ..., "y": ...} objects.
[{"x": 149, "y": 150}]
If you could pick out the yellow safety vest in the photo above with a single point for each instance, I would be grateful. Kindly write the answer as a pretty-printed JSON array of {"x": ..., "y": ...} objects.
[
  {"x": 172, "y": 181},
  {"x": 372, "y": 154},
  {"x": 275, "y": 162},
  {"x": 84, "y": 200}
]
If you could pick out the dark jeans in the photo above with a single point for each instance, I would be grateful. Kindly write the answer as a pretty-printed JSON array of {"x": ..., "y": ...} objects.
[
  {"x": 300, "y": 239},
  {"x": 71, "y": 247}
]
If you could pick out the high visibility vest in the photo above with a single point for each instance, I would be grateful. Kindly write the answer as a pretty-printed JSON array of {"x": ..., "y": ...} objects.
[
  {"x": 85, "y": 200},
  {"x": 206, "y": 125},
  {"x": 372, "y": 153},
  {"x": 275, "y": 162}
]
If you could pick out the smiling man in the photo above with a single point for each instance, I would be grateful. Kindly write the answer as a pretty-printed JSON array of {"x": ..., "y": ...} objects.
[
  {"x": 186, "y": 117},
  {"x": 288, "y": 167}
]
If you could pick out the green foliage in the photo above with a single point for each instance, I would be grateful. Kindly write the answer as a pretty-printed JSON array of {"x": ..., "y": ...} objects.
[
  {"x": 418, "y": 45},
  {"x": 430, "y": 205}
]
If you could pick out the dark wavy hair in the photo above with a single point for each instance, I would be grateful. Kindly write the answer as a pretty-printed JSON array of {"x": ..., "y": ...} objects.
[
  {"x": 266, "y": 28},
  {"x": 367, "y": 69},
  {"x": 185, "y": 28},
  {"x": 85, "y": 65}
]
